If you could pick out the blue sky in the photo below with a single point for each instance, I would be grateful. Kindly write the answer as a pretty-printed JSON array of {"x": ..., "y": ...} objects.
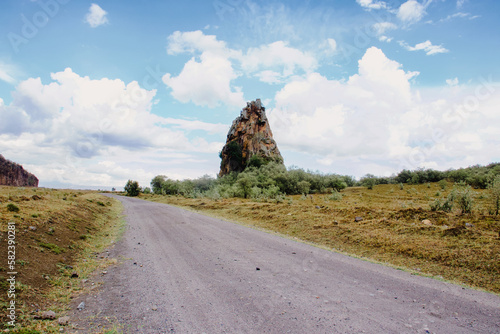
[{"x": 95, "y": 93}]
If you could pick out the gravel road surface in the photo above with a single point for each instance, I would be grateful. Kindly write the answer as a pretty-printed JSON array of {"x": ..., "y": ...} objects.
[{"x": 182, "y": 272}]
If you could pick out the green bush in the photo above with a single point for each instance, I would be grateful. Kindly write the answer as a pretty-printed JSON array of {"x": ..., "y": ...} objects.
[
  {"x": 132, "y": 188},
  {"x": 446, "y": 205},
  {"x": 335, "y": 196},
  {"x": 436, "y": 205},
  {"x": 303, "y": 187},
  {"x": 494, "y": 188},
  {"x": 465, "y": 199},
  {"x": 12, "y": 207},
  {"x": 255, "y": 161}
]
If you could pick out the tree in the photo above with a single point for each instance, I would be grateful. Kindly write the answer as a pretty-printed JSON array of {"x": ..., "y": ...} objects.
[
  {"x": 495, "y": 193},
  {"x": 246, "y": 182},
  {"x": 132, "y": 188},
  {"x": 157, "y": 184},
  {"x": 303, "y": 187}
]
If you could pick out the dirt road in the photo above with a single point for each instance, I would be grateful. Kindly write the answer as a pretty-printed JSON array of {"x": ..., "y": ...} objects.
[{"x": 182, "y": 272}]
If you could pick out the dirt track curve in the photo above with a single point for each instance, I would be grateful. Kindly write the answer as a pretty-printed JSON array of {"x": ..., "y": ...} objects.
[{"x": 181, "y": 272}]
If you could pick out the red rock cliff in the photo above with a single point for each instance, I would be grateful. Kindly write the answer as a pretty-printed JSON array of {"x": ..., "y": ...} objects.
[
  {"x": 12, "y": 174},
  {"x": 250, "y": 135}
]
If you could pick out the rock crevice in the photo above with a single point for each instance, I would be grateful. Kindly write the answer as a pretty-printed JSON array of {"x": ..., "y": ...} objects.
[{"x": 249, "y": 136}]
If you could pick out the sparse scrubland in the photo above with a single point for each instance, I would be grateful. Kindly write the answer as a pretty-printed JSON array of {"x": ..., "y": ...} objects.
[
  {"x": 58, "y": 235},
  {"x": 442, "y": 224}
]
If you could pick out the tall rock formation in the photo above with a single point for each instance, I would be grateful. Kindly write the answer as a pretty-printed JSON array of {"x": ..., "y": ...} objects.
[
  {"x": 12, "y": 174},
  {"x": 249, "y": 140}
]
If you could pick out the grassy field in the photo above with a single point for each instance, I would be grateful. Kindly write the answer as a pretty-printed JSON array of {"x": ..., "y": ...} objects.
[
  {"x": 58, "y": 232},
  {"x": 394, "y": 225}
]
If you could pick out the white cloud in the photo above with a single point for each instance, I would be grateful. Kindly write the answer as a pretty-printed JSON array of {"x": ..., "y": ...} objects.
[
  {"x": 332, "y": 44},
  {"x": 6, "y": 73},
  {"x": 452, "y": 82},
  {"x": 207, "y": 78},
  {"x": 270, "y": 77},
  {"x": 96, "y": 16},
  {"x": 377, "y": 122},
  {"x": 459, "y": 15},
  {"x": 382, "y": 27},
  {"x": 385, "y": 39},
  {"x": 279, "y": 56},
  {"x": 69, "y": 125},
  {"x": 371, "y": 4},
  {"x": 191, "y": 41},
  {"x": 206, "y": 82},
  {"x": 426, "y": 46},
  {"x": 335, "y": 119},
  {"x": 411, "y": 12}
]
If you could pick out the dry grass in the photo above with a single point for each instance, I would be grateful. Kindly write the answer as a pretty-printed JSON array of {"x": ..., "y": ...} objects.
[
  {"x": 58, "y": 232},
  {"x": 460, "y": 248}
]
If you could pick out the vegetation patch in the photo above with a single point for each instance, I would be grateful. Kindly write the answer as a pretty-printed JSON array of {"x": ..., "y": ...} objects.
[{"x": 49, "y": 248}]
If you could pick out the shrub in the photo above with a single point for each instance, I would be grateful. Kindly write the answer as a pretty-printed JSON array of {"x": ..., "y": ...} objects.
[
  {"x": 255, "y": 161},
  {"x": 132, "y": 188},
  {"x": 448, "y": 203},
  {"x": 436, "y": 205},
  {"x": 443, "y": 184},
  {"x": 157, "y": 184},
  {"x": 12, "y": 207},
  {"x": 335, "y": 196},
  {"x": 495, "y": 193},
  {"x": 246, "y": 182},
  {"x": 465, "y": 198},
  {"x": 303, "y": 187}
]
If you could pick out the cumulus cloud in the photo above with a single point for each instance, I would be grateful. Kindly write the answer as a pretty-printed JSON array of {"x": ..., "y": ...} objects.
[
  {"x": 426, "y": 46},
  {"x": 279, "y": 56},
  {"x": 77, "y": 121},
  {"x": 96, "y": 16},
  {"x": 411, "y": 11},
  {"x": 377, "y": 122},
  {"x": 207, "y": 78},
  {"x": 316, "y": 114},
  {"x": 191, "y": 41},
  {"x": 206, "y": 82}
]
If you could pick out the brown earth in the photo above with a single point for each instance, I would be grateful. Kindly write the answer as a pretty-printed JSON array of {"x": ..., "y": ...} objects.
[{"x": 52, "y": 229}]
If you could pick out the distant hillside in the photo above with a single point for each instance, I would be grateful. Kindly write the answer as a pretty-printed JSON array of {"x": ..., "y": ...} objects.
[{"x": 12, "y": 174}]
